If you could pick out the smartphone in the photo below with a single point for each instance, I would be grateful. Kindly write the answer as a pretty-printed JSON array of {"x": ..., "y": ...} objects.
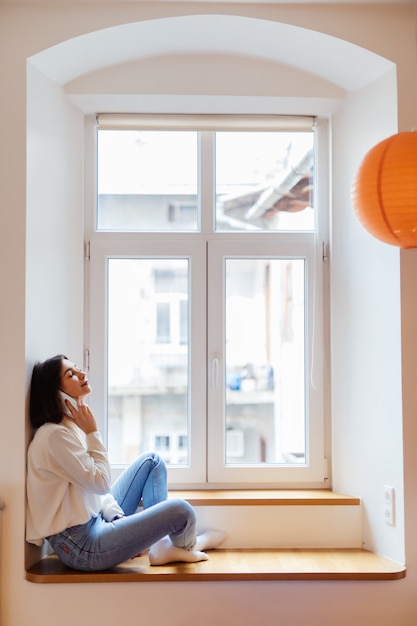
[{"x": 73, "y": 401}]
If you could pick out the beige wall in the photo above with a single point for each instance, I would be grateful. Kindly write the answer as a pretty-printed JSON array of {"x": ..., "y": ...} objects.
[{"x": 25, "y": 336}]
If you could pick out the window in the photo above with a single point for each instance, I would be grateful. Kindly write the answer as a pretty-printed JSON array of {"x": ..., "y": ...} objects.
[{"x": 206, "y": 299}]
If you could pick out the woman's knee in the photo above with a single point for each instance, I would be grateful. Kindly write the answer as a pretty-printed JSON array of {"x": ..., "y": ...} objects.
[
  {"x": 182, "y": 509},
  {"x": 158, "y": 463},
  {"x": 158, "y": 460},
  {"x": 150, "y": 456}
]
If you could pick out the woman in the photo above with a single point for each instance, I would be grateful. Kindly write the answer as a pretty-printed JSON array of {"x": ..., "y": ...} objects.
[{"x": 90, "y": 524}]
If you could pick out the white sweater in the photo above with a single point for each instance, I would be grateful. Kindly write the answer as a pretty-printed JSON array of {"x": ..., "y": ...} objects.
[{"x": 68, "y": 480}]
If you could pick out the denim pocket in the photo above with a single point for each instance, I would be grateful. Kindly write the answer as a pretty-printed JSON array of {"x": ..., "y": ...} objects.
[{"x": 69, "y": 546}]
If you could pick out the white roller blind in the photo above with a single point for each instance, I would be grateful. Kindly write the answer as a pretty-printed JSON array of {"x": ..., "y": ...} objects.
[{"x": 117, "y": 121}]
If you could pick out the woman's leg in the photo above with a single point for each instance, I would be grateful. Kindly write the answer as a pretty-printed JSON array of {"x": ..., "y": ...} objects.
[
  {"x": 171, "y": 531},
  {"x": 99, "y": 544},
  {"x": 145, "y": 479},
  {"x": 167, "y": 528}
]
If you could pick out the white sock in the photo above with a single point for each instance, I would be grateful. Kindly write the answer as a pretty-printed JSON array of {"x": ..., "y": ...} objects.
[
  {"x": 164, "y": 551},
  {"x": 210, "y": 539}
]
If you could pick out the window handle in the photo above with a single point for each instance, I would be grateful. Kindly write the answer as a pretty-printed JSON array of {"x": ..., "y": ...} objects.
[{"x": 215, "y": 371}]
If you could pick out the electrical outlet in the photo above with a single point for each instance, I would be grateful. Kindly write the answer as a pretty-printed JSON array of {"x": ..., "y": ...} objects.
[{"x": 389, "y": 505}]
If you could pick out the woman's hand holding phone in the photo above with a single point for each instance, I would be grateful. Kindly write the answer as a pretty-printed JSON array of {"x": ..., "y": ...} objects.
[{"x": 80, "y": 413}]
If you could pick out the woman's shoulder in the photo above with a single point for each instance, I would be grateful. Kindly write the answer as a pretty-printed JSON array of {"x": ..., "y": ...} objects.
[{"x": 50, "y": 430}]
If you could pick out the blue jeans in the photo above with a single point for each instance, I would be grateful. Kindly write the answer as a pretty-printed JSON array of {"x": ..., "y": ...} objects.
[{"x": 99, "y": 545}]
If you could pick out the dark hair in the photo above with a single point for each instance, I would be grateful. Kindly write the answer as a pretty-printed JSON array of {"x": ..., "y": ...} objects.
[{"x": 45, "y": 404}]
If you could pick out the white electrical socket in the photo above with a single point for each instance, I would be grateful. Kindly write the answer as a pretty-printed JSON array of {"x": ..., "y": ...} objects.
[{"x": 389, "y": 505}]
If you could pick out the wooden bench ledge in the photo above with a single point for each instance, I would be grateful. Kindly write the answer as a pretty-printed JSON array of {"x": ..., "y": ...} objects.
[
  {"x": 267, "y": 497},
  {"x": 235, "y": 565}
]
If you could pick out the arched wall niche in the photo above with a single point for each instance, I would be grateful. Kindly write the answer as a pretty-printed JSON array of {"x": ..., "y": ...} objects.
[
  {"x": 337, "y": 61},
  {"x": 204, "y": 74}
]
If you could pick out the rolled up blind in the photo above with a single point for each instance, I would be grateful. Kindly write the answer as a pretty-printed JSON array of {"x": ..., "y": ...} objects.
[{"x": 129, "y": 121}]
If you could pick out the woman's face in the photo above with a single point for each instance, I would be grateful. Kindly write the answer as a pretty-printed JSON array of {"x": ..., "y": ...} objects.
[{"x": 73, "y": 381}]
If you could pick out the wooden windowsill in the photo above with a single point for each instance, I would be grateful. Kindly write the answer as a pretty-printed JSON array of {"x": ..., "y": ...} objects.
[
  {"x": 266, "y": 497},
  {"x": 234, "y": 565},
  {"x": 242, "y": 564}
]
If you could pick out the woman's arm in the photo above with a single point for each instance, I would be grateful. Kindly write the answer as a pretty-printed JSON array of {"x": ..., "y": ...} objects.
[{"x": 83, "y": 464}]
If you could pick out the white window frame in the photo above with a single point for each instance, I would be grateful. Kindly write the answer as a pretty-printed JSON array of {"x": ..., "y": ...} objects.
[
  {"x": 298, "y": 246},
  {"x": 203, "y": 398},
  {"x": 102, "y": 249}
]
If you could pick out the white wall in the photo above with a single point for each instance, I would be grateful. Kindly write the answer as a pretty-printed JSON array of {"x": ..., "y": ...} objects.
[
  {"x": 366, "y": 330},
  {"x": 54, "y": 222},
  {"x": 23, "y": 32}
]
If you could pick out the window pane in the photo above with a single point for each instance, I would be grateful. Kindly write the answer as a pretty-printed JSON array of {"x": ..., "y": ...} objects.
[
  {"x": 264, "y": 181},
  {"x": 148, "y": 359},
  {"x": 265, "y": 397},
  {"x": 147, "y": 180}
]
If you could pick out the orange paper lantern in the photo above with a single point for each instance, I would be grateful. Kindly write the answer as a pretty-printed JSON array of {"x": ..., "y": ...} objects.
[{"x": 385, "y": 190}]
